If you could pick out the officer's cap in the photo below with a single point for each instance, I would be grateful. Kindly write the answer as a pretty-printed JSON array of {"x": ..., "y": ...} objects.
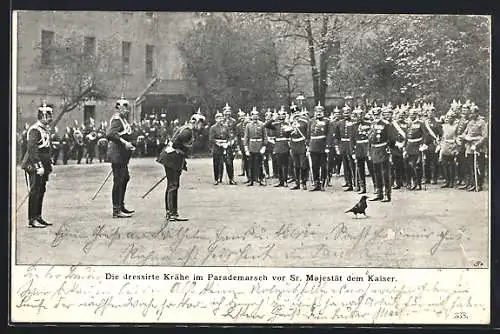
[
  {"x": 226, "y": 108},
  {"x": 255, "y": 112}
]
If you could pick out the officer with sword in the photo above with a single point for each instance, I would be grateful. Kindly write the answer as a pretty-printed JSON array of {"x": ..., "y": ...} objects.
[
  {"x": 37, "y": 164},
  {"x": 119, "y": 134},
  {"x": 319, "y": 139},
  {"x": 219, "y": 141}
]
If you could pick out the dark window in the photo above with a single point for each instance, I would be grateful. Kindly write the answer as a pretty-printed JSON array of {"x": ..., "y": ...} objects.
[
  {"x": 126, "y": 46},
  {"x": 149, "y": 60},
  {"x": 89, "y": 46},
  {"x": 47, "y": 41}
]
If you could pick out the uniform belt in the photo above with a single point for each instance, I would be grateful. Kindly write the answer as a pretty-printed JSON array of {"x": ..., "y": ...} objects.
[
  {"x": 380, "y": 144},
  {"x": 318, "y": 137},
  {"x": 449, "y": 140},
  {"x": 298, "y": 139},
  {"x": 411, "y": 140},
  {"x": 255, "y": 139},
  {"x": 362, "y": 141},
  {"x": 55, "y": 142},
  {"x": 281, "y": 139},
  {"x": 221, "y": 140},
  {"x": 345, "y": 139},
  {"x": 271, "y": 138}
]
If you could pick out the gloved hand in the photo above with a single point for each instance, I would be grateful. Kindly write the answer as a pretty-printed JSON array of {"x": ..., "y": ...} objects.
[
  {"x": 40, "y": 171},
  {"x": 129, "y": 146},
  {"x": 399, "y": 144},
  {"x": 327, "y": 150},
  {"x": 263, "y": 150}
]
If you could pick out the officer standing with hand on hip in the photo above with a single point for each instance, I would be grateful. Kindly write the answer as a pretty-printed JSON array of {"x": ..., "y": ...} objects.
[{"x": 119, "y": 133}]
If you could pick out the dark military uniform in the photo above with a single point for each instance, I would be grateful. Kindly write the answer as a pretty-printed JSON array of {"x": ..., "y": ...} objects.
[
  {"x": 319, "y": 138},
  {"x": 79, "y": 145},
  {"x": 55, "y": 141},
  {"x": 381, "y": 141},
  {"x": 254, "y": 140},
  {"x": 432, "y": 135},
  {"x": 102, "y": 146},
  {"x": 344, "y": 138},
  {"x": 361, "y": 146},
  {"x": 66, "y": 146},
  {"x": 415, "y": 138},
  {"x": 119, "y": 156},
  {"x": 218, "y": 136},
  {"x": 298, "y": 149},
  {"x": 91, "y": 142},
  {"x": 334, "y": 157},
  {"x": 173, "y": 159},
  {"x": 399, "y": 161},
  {"x": 38, "y": 155},
  {"x": 240, "y": 134},
  {"x": 281, "y": 149},
  {"x": 230, "y": 123}
]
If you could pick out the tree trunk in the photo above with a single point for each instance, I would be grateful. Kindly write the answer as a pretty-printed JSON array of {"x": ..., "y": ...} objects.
[
  {"x": 312, "y": 61},
  {"x": 323, "y": 61},
  {"x": 58, "y": 118}
]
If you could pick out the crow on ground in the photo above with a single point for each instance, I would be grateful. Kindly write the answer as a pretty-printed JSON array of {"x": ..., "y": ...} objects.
[{"x": 360, "y": 207}]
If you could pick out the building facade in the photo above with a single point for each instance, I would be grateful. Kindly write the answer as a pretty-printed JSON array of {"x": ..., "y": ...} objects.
[{"x": 142, "y": 46}]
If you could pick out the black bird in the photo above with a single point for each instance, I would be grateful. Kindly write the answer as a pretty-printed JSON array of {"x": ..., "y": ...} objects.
[{"x": 360, "y": 207}]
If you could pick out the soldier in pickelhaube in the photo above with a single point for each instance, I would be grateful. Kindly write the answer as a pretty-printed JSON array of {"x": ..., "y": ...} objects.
[
  {"x": 219, "y": 141},
  {"x": 55, "y": 141},
  {"x": 334, "y": 157},
  {"x": 319, "y": 142},
  {"x": 269, "y": 158},
  {"x": 344, "y": 137},
  {"x": 281, "y": 147},
  {"x": 67, "y": 142},
  {"x": 240, "y": 133},
  {"x": 173, "y": 158},
  {"x": 230, "y": 123},
  {"x": 361, "y": 146},
  {"x": 399, "y": 162},
  {"x": 432, "y": 137},
  {"x": 462, "y": 121},
  {"x": 298, "y": 137},
  {"x": 448, "y": 151},
  {"x": 37, "y": 163},
  {"x": 119, "y": 133},
  {"x": 476, "y": 146},
  {"x": 381, "y": 141},
  {"x": 414, "y": 148},
  {"x": 255, "y": 140}
]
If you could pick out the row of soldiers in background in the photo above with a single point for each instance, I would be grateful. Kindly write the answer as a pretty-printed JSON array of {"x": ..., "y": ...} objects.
[
  {"x": 87, "y": 140},
  {"x": 77, "y": 142},
  {"x": 400, "y": 146}
]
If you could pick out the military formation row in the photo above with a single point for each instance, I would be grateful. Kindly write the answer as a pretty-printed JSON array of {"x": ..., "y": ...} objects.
[{"x": 403, "y": 146}]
